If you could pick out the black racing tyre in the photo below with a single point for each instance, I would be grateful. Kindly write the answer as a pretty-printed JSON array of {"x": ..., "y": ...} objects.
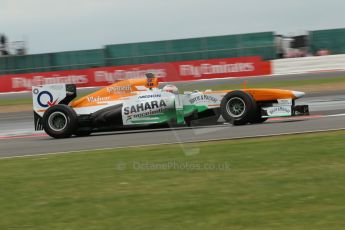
[
  {"x": 257, "y": 119},
  {"x": 238, "y": 107},
  {"x": 60, "y": 121}
]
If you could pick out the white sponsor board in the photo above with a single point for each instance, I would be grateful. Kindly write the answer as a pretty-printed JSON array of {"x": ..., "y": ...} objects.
[{"x": 308, "y": 64}]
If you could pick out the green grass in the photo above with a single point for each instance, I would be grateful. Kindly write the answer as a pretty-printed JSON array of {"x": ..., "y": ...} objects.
[
  {"x": 291, "y": 182},
  {"x": 282, "y": 83},
  {"x": 15, "y": 101}
]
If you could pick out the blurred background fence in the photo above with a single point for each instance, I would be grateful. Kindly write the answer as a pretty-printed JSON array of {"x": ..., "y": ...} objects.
[
  {"x": 331, "y": 40},
  {"x": 253, "y": 44}
]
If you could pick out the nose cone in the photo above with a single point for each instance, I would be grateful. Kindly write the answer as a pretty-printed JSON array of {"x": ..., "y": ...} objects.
[{"x": 298, "y": 94}]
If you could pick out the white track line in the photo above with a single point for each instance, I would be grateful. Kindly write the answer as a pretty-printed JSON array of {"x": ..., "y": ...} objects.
[
  {"x": 336, "y": 115},
  {"x": 173, "y": 143}
]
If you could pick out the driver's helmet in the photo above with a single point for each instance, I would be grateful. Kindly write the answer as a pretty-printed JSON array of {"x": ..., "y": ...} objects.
[{"x": 170, "y": 89}]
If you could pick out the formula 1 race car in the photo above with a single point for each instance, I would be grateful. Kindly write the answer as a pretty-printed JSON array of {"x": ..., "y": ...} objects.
[{"x": 136, "y": 103}]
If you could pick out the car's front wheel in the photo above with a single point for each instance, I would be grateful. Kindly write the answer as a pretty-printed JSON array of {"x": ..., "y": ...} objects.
[
  {"x": 257, "y": 118},
  {"x": 60, "y": 121},
  {"x": 238, "y": 107}
]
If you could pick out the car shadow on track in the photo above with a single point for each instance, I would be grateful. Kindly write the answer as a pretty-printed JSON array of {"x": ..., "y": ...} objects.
[{"x": 143, "y": 130}]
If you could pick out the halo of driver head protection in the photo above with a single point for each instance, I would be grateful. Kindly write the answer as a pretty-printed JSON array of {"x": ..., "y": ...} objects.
[{"x": 170, "y": 89}]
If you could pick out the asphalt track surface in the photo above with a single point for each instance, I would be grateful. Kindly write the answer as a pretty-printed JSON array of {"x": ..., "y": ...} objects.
[{"x": 18, "y": 139}]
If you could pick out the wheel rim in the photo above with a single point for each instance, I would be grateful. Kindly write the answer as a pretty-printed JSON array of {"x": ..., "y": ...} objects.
[
  {"x": 57, "y": 121},
  {"x": 236, "y": 107}
]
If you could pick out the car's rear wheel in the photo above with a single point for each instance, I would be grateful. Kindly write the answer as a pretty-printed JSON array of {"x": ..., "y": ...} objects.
[
  {"x": 60, "y": 121},
  {"x": 238, "y": 107}
]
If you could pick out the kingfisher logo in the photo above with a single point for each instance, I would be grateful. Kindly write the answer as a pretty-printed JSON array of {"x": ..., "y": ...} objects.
[{"x": 45, "y": 99}]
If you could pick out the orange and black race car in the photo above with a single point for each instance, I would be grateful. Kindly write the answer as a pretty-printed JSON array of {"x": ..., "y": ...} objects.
[{"x": 140, "y": 103}]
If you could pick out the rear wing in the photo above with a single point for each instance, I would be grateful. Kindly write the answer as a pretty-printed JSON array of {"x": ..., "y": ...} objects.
[{"x": 46, "y": 96}]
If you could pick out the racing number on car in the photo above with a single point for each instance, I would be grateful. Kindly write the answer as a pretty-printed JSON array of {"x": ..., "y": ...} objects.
[{"x": 150, "y": 82}]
